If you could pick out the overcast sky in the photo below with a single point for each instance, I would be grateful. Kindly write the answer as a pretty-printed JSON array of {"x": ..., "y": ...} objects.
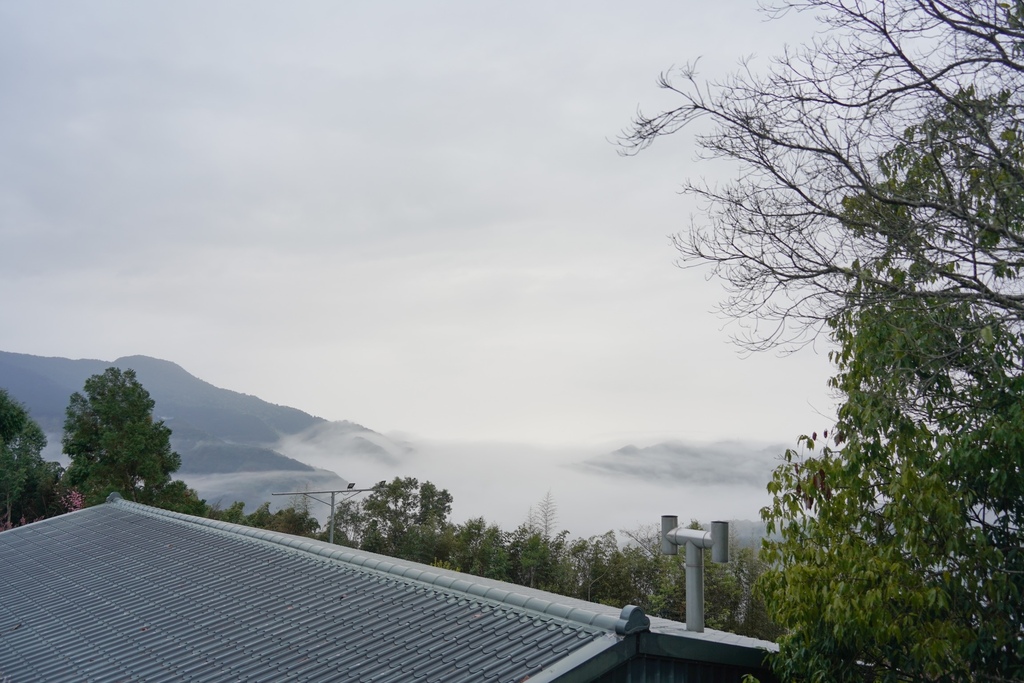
[{"x": 405, "y": 214}]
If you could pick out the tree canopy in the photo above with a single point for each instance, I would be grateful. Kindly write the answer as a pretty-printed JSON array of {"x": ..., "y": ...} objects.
[
  {"x": 27, "y": 482},
  {"x": 115, "y": 444},
  {"x": 880, "y": 200},
  {"x": 912, "y": 104},
  {"x": 405, "y": 518}
]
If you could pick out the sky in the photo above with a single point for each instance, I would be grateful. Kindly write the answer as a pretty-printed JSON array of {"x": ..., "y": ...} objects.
[{"x": 408, "y": 215}]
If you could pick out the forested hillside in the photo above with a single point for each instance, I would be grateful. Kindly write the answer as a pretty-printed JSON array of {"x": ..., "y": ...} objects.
[{"x": 214, "y": 430}]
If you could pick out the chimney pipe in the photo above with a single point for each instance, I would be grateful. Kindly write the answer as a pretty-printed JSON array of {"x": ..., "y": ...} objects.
[{"x": 696, "y": 540}]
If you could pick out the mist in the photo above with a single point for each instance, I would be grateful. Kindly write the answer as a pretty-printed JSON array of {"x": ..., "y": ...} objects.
[{"x": 596, "y": 489}]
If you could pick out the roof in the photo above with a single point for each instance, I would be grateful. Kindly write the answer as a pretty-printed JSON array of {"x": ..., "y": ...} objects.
[{"x": 122, "y": 591}]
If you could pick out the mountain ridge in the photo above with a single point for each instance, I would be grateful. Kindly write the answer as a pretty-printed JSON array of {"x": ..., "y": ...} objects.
[{"x": 222, "y": 436}]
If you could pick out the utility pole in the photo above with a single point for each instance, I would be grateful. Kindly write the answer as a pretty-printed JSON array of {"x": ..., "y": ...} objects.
[{"x": 348, "y": 491}]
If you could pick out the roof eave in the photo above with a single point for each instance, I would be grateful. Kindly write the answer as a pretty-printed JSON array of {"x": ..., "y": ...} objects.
[
  {"x": 590, "y": 662},
  {"x": 694, "y": 649}
]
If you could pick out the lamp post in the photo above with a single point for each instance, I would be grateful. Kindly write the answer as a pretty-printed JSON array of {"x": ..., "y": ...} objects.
[{"x": 350, "y": 489}]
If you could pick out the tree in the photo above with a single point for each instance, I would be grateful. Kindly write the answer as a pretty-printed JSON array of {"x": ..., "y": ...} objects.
[
  {"x": 588, "y": 562},
  {"x": 751, "y": 616},
  {"x": 880, "y": 200},
  {"x": 538, "y": 561},
  {"x": 406, "y": 519},
  {"x": 294, "y": 519},
  {"x": 234, "y": 513},
  {"x": 349, "y": 523},
  {"x": 114, "y": 443},
  {"x": 479, "y": 549},
  {"x": 825, "y": 124},
  {"x": 544, "y": 516},
  {"x": 27, "y": 482}
]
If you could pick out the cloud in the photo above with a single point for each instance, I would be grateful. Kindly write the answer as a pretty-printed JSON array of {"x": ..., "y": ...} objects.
[
  {"x": 334, "y": 445},
  {"x": 405, "y": 215}
]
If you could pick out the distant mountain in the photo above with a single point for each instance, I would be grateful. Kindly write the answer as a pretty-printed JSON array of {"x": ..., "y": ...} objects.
[
  {"x": 216, "y": 431},
  {"x": 44, "y": 385},
  {"x": 721, "y": 464}
]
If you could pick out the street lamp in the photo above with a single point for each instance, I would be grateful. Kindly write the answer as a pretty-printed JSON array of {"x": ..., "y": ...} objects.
[{"x": 350, "y": 489}]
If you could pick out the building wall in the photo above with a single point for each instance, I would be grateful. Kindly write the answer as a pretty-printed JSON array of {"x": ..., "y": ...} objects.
[{"x": 651, "y": 669}]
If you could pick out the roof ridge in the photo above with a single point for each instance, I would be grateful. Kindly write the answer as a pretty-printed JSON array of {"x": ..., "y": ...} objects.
[{"x": 630, "y": 620}]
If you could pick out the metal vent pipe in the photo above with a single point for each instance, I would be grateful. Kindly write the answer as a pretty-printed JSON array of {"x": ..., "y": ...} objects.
[{"x": 696, "y": 540}]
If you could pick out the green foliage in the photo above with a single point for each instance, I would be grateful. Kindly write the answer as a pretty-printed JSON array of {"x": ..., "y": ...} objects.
[
  {"x": 750, "y": 616},
  {"x": 349, "y": 523},
  {"x": 479, "y": 548},
  {"x": 235, "y": 513},
  {"x": 28, "y": 484},
  {"x": 115, "y": 445},
  {"x": 591, "y": 569},
  {"x": 293, "y": 519},
  {"x": 177, "y": 496},
  {"x": 537, "y": 561},
  {"x": 403, "y": 518},
  {"x": 901, "y": 553},
  {"x": 288, "y": 520},
  {"x": 879, "y": 198}
]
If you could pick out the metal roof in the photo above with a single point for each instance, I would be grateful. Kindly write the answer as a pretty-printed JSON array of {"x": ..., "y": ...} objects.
[{"x": 122, "y": 591}]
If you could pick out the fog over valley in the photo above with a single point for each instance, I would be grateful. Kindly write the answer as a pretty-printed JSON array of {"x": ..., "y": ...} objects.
[
  {"x": 596, "y": 491},
  {"x": 239, "y": 447}
]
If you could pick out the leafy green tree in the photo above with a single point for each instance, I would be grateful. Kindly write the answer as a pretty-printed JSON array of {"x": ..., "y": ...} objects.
[
  {"x": 479, "y": 549},
  {"x": 913, "y": 512},
  {"x": 115, "y": 444},
  {"x": 27, "y": 482},
  {"x": 902, "y": 549},
  {"x": 260, "y": 518},
  {"x": 538, "y": 561},
  {"x": 881, "y": 200},
  {"x": 177, "y": 496},
  {"x": 234, "y": 513},
  {"x": 632, "y": 577},
  {"x": 406, "y": 519},
  {"x": 529, "y": 556},
  {"x": 292, "y": 519},
  {"x": 668, "y": 600},
  {"x": 589, "y": 561}
]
